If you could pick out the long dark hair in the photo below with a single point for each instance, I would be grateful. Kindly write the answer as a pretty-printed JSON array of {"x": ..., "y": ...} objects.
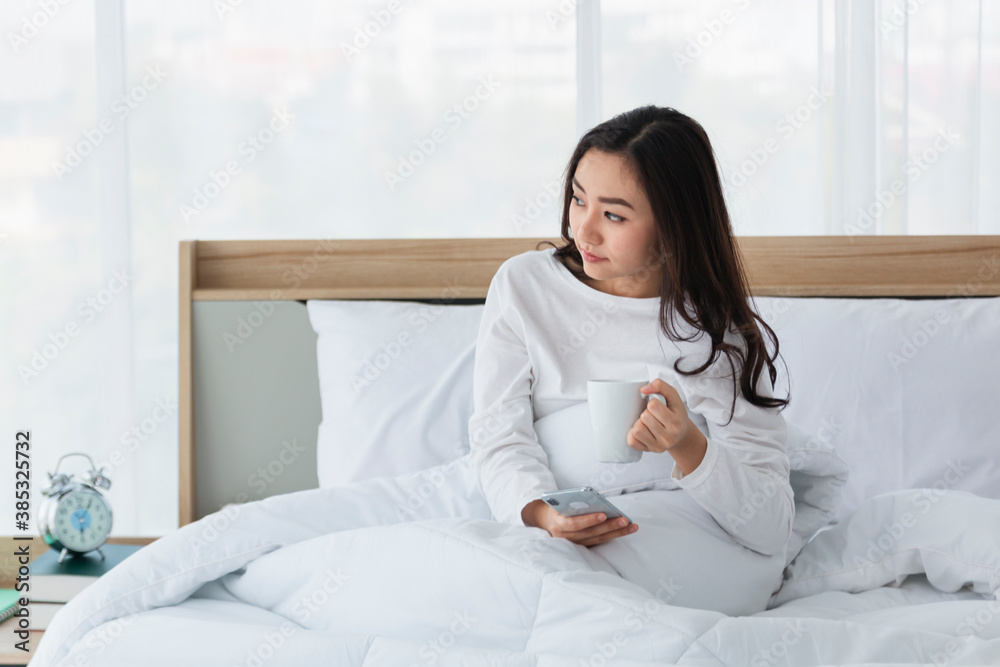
[{"x": 673, "y": 161}]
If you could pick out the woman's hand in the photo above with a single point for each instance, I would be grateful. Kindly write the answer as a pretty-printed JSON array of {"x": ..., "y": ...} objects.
[
  {"x": 663, "y": 427},
  {"x": 584, "y": 529}
]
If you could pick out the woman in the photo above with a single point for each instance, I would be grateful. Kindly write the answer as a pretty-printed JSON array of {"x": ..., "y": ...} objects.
[{"x": 649, "y": 261}]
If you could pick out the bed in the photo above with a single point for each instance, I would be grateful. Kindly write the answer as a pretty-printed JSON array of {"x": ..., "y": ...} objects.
[{"x": 385, "y": 553}]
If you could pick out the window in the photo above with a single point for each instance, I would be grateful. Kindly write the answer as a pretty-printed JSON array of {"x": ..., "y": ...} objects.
[{"x": 128, "y": 125}]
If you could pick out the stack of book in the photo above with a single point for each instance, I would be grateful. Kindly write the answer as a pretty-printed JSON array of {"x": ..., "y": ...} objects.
[
  {"x": 8, "y": 603},
  {"x": 40, "y": 613},
  {"x": 52, "y": 584}
]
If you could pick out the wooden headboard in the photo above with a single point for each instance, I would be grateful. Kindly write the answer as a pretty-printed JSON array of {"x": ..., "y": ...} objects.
[{"x": 792, "y": 266}]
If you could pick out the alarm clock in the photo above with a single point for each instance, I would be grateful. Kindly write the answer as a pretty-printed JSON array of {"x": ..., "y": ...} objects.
[{"x": 74, "y": 517}]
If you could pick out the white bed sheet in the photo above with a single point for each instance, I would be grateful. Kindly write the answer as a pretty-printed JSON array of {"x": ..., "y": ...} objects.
[{"x": 221, "y": 630}]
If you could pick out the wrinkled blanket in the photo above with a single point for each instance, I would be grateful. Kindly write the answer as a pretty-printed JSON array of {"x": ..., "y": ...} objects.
[{"x": 412, "y": 570}]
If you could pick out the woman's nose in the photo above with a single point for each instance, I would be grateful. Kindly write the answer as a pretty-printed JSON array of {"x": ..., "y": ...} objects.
[{"x": 585, "y": 229}]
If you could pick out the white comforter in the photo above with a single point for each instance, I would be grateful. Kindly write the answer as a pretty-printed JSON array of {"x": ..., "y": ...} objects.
[{"x": 411, "y": 571}]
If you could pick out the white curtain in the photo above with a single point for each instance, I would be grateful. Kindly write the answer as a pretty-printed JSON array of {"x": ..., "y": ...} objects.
[
  {"x": 837, "y": 117},
  {"x": 128, "y": 125}
]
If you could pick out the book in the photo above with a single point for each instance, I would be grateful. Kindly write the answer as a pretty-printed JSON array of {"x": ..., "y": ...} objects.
[
  {"x": 52, "y": 581},
  {"x": 40, "y": 614},
  {"x": 8, "y": 603}
]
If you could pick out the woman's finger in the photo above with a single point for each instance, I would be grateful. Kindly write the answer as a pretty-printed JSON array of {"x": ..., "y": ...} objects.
[
  {"x": 611, "y": 535},
  {"x": 640, "y": 438},
  {"x": 585, "y": 521},
  {"x": 571, "y": 525},
  {"x": 657, "y": 429},
  {"x": 668, "y": 392},
  {"x": 602, "y": 528}
]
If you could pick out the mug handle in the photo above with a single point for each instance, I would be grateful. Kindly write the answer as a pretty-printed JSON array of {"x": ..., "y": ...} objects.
[{"x": 654, "y": 373}]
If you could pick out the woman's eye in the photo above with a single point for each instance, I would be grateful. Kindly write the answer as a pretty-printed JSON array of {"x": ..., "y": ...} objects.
[
  {"x": 579, "y": 202},
  {"x": 614, "y": 218}
]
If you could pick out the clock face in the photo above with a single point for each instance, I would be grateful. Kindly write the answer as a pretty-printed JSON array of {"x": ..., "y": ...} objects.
[{"x": 82, "y": 521}]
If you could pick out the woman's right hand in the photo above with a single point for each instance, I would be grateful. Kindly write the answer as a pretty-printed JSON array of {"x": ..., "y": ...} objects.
[{"x": 584, "y": 529}]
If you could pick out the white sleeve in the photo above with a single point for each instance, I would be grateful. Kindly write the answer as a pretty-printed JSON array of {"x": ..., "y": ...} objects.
[
  {"x": 743, "y": 479},
  {"x": 511, "y": 468}
]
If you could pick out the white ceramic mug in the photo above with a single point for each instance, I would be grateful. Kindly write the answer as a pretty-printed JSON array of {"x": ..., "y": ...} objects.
[{"x": 615, "y": 406}]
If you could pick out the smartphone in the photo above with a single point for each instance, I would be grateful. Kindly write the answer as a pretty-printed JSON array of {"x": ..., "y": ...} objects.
[{"x": 581, "y": 500}]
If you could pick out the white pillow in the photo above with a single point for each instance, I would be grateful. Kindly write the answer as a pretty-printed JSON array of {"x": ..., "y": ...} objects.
[
  {"x": 928, "y": 425},
  {"x": 952, "y": 536},
  {"x": 817, "y": 477},
  {"x": 395, "y": 383},
  {"x": 904, "y": 389}
]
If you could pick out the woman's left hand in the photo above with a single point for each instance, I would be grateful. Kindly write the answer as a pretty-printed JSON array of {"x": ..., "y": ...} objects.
[{"x": 662, "y": 427}]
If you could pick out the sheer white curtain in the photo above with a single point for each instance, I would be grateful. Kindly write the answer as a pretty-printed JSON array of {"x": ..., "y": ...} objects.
[
  {"x": 127, "y": 125},
  {"x": 831, "y": 117}
]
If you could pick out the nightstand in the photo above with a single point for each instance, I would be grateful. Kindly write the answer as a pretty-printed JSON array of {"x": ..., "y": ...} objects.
[
  {"x": 10, "y": 655},
  {"x": 8, "y": 572}
]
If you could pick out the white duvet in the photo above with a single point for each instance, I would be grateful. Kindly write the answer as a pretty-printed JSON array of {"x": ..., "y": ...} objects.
[{"x": 412, "y": 571}]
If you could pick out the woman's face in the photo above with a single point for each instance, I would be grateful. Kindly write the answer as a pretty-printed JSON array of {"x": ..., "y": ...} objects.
[{"x": 610, "y": 217}]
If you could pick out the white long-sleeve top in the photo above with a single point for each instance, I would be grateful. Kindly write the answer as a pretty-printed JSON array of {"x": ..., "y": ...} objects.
[{"x": 544, "y": 333}]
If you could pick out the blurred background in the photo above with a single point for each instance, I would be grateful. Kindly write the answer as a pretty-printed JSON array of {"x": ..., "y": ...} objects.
[{"x": 128, "y": 125}]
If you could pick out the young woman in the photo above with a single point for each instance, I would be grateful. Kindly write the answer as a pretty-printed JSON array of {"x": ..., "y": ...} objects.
[{"x": 646, "y": 284}]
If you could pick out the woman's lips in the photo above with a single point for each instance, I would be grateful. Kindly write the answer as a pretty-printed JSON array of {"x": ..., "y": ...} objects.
[{"x": 591, "y": 258}]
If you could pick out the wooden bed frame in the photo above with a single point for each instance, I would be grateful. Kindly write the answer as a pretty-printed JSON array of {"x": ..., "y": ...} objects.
[{"x": 793, "y": 266}]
